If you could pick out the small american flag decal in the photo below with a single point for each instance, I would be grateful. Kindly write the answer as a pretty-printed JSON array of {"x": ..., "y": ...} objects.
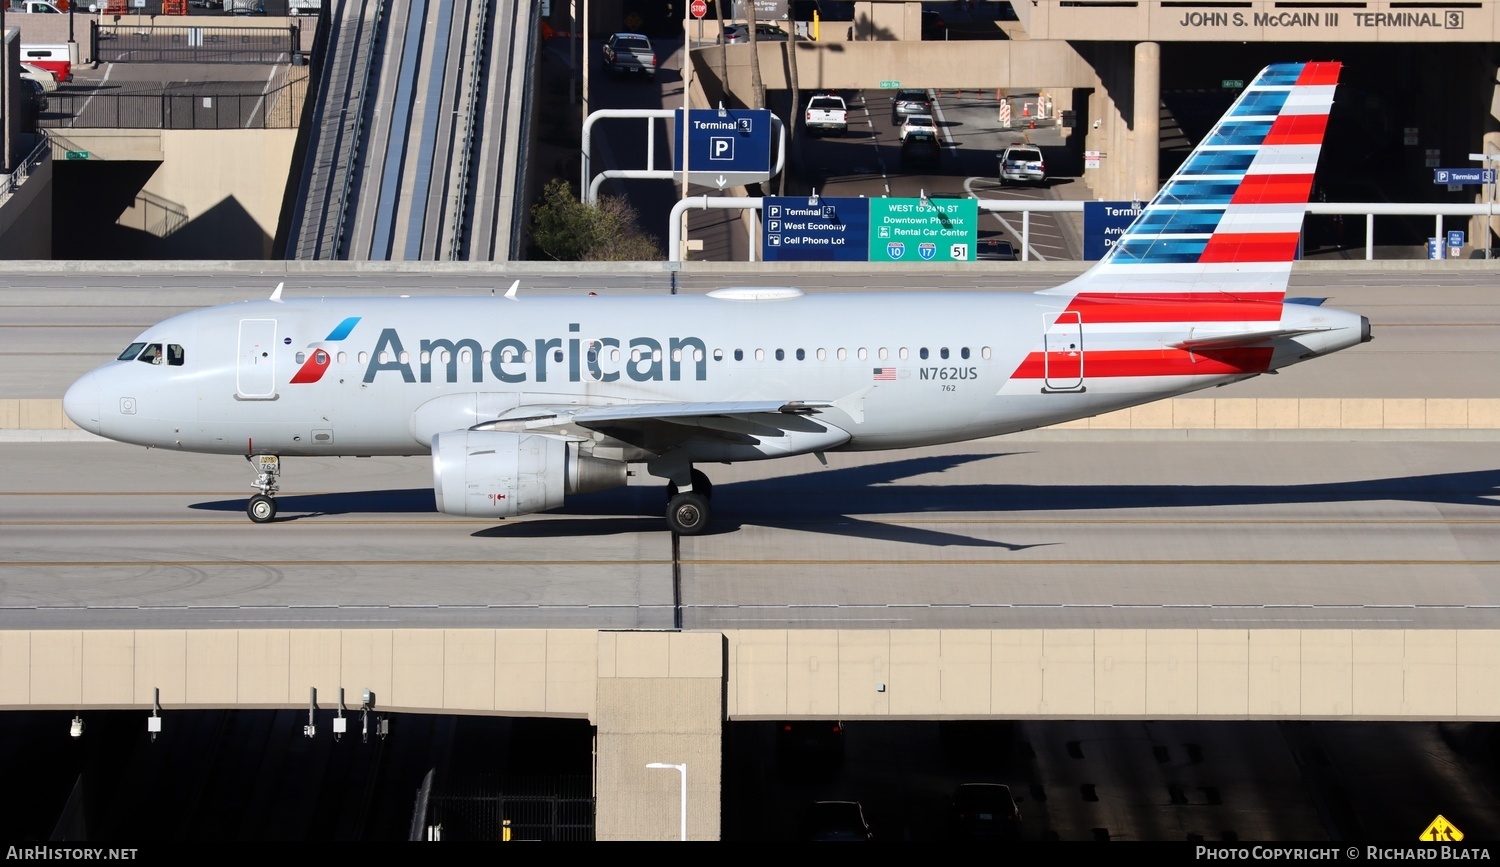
[{"x": 883, "y": 374}]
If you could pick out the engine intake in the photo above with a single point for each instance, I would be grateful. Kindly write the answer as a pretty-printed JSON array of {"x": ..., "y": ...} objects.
[{"x": 500, "y": 474}]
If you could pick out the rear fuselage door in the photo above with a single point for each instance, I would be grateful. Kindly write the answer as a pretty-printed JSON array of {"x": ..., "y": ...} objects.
[
  {"x": 1064, "y": 352},
  {"x": 255, "y": 376}
]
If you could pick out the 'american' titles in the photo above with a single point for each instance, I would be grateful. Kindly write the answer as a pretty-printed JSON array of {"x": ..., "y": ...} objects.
[{"x": 647, "y": 360}]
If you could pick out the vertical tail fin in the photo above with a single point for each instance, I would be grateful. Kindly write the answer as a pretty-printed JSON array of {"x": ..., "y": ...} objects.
[{"x": 1229, "y": 219}]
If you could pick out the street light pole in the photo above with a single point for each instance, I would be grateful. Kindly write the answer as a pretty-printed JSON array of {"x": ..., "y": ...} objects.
[{"x": 681, "y": 769}]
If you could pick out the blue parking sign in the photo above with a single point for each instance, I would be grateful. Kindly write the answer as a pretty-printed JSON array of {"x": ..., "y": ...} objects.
[{"x": 1455, "y": 238}]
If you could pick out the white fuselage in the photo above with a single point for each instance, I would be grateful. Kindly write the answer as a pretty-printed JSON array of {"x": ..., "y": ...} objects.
[{"x": 900, "y": 369}]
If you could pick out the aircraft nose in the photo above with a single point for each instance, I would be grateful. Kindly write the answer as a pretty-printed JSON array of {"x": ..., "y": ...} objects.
[{"x": 81, "y": 402}]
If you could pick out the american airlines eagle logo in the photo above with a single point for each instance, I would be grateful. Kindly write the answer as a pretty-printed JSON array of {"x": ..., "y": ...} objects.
[{"x": 316, "y": 364}]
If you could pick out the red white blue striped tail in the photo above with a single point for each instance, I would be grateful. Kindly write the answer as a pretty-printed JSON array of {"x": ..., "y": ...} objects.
[{"x": 1224, "y": 229}]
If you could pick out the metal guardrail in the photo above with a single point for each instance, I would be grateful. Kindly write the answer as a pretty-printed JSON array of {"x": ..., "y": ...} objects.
[
  {"x": 129, "y": 43},
  {"x": 1369, "y": 210},
  {"x": 277, "y": 109},
  {"x": 23, "y": 170}
]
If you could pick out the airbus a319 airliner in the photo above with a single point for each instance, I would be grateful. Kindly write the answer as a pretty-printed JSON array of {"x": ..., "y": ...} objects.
[{"x": 521, "y": 401}]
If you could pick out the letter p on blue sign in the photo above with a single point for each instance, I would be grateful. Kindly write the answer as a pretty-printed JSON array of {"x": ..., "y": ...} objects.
[{"x": 721, "y": 148}]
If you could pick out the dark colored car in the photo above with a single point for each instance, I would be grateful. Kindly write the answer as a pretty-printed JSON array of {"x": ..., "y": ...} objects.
[
  {"x": 836, "y": 820},
  {"x": 38, "y": 101},
  {"x": 737, "y": 33},
  {"x": 920, "y": 150},
  {"x": 984, "y": 810},
  {"x": 933, "y": 26},
  {"x": 810, "y": 746},
  {"x": 909, "y": 101},
  {"x": 994, "y": 248}
]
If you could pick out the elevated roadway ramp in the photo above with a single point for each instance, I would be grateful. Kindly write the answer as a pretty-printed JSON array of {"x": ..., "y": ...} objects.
[{"x": 413, "y": 149}]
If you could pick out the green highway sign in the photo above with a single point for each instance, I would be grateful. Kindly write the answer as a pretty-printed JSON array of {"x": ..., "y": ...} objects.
[
  {"x": 914, "y": 230},
  {"x": 78, "y": 155},
  {"x": 1234, "y": 84},
  {"x": 890, "y": 85}
]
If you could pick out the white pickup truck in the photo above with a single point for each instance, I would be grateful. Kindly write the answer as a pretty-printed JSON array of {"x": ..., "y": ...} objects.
[{"x": 826, "y": 113}]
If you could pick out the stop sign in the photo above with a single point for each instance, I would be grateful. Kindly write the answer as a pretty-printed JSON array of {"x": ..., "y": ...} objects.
[{"x": 699, "y": 8}]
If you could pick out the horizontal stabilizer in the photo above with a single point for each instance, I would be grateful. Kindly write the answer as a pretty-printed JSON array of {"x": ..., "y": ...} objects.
[
  {"x": 1242, "y": 338},
  {"x": 1310, "y": 302}
]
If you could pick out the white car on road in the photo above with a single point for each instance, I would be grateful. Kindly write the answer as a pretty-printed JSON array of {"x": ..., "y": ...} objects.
[{"x": 918, "y": 123}]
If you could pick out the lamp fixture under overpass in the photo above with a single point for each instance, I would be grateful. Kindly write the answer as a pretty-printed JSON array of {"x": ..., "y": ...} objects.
[{"x": 681, "y": 769}]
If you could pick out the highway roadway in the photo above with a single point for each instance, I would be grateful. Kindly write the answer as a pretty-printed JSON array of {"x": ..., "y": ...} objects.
[{"x": 1060, "y": 528}]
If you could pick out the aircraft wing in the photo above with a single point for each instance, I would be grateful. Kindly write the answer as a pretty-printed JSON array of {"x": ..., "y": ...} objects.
[
  {"x": 661, "y": 427},
  {"x": 683, "y": 413},
  {"x": 664, "y": 426}
]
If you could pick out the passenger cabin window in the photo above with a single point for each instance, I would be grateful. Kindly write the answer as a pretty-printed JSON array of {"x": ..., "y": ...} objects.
[
  {"x": 922, "y": 353},
  {"x": 152, "y": 354},
  {"x": 131, "y": 352},
  {"x": 963, "y": 353},
  {"x": 739, "y": 355},
  {"x": 943, "y": 353},
  {"x": 781, "y": 355}
]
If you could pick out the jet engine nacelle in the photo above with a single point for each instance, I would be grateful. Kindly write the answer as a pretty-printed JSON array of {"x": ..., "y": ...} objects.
[{"x": 499, "y": 474}]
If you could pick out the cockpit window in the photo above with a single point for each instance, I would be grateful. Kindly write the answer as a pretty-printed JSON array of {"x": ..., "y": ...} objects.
[
  {"x": 175, "y": 355},
  {"x": 131, "y": 352},
  {"x": 152, "y": 355}
]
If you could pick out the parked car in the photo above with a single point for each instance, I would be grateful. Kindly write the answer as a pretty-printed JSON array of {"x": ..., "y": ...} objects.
[
  {"x": 909, "y": 101},
  {"x": 41, "y": 76},
  {"x": 630, "y": 54},
  {"x": 737, "y": 33},
  {"x": 918, "y": 123},
  {"x": 984, "y": 810},
  {"x": 933, "y": 26},
  {"x": 38, "y": 102},
  {"x": 1023, "y": 164},
  {"x": 836, "y": 820},
  {"x": 920, "y": 150},
  {"x": 813, "y": 747}
]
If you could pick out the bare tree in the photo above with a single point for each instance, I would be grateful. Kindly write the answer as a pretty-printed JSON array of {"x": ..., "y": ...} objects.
[
  {"x": 757, "y": 84},
  {"x": 791, "y": 60},
  {"x": 723, "y": 48}
]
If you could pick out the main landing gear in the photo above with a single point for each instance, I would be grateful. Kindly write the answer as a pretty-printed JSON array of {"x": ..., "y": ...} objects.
[
  {"x": 688, "y": 511},
  {"x": 262, "y": 507}
]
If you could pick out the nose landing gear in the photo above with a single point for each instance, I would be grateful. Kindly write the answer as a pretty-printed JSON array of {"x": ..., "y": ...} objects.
[{"x": 262, "y": 506}]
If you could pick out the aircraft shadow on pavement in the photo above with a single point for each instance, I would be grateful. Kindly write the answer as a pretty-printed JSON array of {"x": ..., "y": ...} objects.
[{"x": 841, "y": 501}]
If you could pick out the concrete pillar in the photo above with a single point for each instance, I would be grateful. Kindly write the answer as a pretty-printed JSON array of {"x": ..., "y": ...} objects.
[
  {"x": 1146, "y": 155},
  {"x": 660, "y": 701}
]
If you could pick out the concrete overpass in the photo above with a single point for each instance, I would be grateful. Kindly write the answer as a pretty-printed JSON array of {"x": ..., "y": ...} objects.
[{"x": 665, "y": 696}]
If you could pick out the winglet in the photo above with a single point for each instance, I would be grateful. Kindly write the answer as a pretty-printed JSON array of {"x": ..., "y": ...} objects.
[
  {"x": 276, "y": 295},
  {"x": 511, "y": 292}
]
